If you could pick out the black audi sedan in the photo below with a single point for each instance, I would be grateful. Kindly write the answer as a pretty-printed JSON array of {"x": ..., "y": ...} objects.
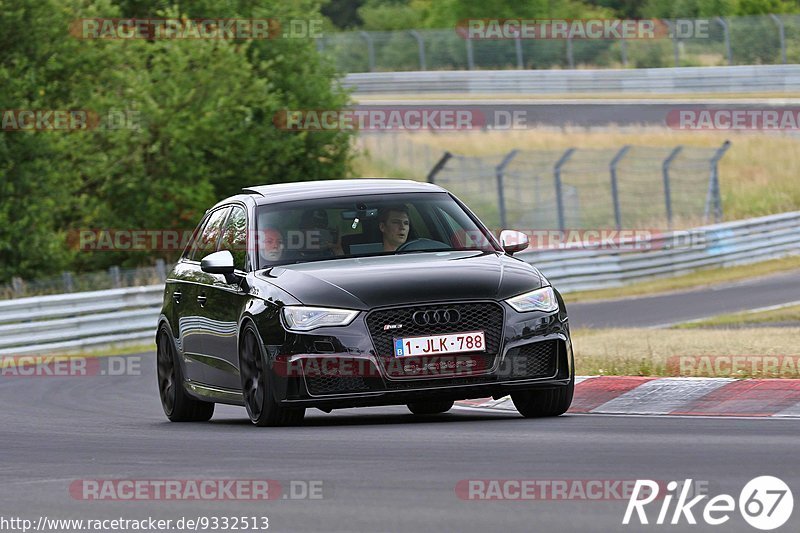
[{"x": 349, "y": 293}]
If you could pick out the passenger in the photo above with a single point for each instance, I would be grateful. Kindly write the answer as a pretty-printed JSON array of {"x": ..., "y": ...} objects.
[
  {"x": 271, "y": 245},
  {"x": 394, "y": 225}
]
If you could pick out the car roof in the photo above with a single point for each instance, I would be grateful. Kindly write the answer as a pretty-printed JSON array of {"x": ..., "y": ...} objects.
[{"x": 307, "y": 190}]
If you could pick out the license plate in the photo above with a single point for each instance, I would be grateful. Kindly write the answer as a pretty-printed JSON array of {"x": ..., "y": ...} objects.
[{"x": 471, "y": 341}]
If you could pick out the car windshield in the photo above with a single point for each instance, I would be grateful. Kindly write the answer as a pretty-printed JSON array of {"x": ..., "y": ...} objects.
[{"x": 361, "y": 226}]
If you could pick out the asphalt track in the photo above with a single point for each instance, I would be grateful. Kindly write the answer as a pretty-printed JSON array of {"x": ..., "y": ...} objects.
[
  {"x": 667, "y": 309},
  {"x": 382, "y": 469}
]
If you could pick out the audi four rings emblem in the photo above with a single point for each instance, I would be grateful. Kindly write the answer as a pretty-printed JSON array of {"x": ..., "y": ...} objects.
[{"x": 437, "y": 316}]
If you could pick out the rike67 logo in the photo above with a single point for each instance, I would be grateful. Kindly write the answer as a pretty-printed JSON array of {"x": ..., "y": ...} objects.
[{"x": 765, "y": 502}]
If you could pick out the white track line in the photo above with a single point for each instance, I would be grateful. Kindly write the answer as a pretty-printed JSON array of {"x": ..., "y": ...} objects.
[{"x": 661, "y": 396}]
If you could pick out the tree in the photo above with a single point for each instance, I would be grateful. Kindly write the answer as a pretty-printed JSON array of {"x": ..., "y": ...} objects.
[{"x": 201, "y": 125}]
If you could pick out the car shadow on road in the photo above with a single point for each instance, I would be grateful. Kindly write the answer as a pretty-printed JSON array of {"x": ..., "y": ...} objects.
[{"x": 319, "y": 419}]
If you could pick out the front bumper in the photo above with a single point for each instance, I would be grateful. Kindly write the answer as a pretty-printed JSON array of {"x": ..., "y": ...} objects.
[{"x": 341, "y": 367}]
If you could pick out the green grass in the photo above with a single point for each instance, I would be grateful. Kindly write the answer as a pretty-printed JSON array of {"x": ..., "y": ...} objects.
[
  {"x": 700, "y": 278},
  {"x": 782, "y": 315},
  {"x": 694, "y": 353}
]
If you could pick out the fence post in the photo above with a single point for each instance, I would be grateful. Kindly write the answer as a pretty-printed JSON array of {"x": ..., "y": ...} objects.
[
  {"x": 665, "y": 173},
  {"x": 714, "y": 182},
  {"x": 570, "y": 56},
  {"x": 427, "y": 148},
  {"x": 623, "y": 49},
  {"x": 501, "y": 198},
  {"x": 559, "y": 192},
  {"x": 161, "y": 270},
  {"x": 727, "y": 34},
  {"x": 420, "y": 47},
  {"x": 113, "y": 273},
  {"x": 470, "y": 56},
  {"x": 518, "y": 48},
  {"x": 781, "y": 35},
  {"x": 370, "y": 49},
  {"x": 438, "y": 167},
  {"x": 676, "y": 52},
  {"x": 614, "y": 188},
  {"x": 17, "y": 286},
  {"x": 69, "y": 284}
]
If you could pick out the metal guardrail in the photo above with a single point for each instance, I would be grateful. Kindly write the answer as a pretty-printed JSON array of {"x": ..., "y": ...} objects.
[
  {"x": 76, "y": 321},
  {"x": 728, "y": 79},
  {"x": 726, "y": 244},
  {"x": 67, "y": 322}
]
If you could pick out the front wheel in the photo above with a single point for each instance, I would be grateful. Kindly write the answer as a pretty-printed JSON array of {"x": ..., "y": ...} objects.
[
  {"x": 544, "y": 402},
  {"x": 258, "y": 399},
  {"x": 430, "y": 408},
  {"x": 177, "y": 404}
]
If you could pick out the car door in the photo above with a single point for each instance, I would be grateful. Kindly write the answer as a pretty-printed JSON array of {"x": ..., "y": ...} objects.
[
  {"x": 225, "y": 299},
  {"x": 181, "y": 296},
  {"x": 196, "y": 323}
]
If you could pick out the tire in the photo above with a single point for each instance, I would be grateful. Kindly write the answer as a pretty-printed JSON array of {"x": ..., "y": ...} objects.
[
  {"x": 261, "y": 406},
  {"x": 544, "y": 402},
  {"x": 177, "y": 404},
  {"x": 434, "y": 407}
]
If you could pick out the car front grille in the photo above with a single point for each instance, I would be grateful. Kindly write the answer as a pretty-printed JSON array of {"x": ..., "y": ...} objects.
[
  {"x": 321, "y": 385},
  {"x": 477, "y": 316},
  {"x": 411, "y": 384},
  {"x": 534, "y": 360}
]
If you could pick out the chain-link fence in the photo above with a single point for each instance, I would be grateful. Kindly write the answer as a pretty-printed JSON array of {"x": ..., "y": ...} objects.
[
  {"x": 113, "y": 278},
  {"x": 751, "y": 40},
  {"x": 576, "y": 188}
]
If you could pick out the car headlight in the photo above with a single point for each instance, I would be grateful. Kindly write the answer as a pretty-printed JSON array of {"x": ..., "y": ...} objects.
[
  {"x": 301, "y": 318},
  {"x": 543, "y": 299}
]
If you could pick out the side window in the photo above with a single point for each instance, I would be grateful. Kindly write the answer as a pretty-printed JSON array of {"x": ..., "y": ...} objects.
[
  {"x": 456, "y": 224},
  {"x": 207, "y": 243},
  {"x": 195, "y": 239},
  {"x": 234, "y": 237}
]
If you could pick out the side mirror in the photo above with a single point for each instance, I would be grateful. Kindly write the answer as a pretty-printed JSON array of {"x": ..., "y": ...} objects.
[
  {"x": 218, "y": 263},
  {"x": 513, "y": 241}
]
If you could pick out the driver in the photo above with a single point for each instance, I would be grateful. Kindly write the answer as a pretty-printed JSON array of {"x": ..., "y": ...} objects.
[{"x": 394, "y": 225}]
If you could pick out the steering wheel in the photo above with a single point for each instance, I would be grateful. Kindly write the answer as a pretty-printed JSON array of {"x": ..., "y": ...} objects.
[{"x": 422, "y": 244}]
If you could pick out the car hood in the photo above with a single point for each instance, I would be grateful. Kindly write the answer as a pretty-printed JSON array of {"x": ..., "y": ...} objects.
[{"x": 364, "y": 283}]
